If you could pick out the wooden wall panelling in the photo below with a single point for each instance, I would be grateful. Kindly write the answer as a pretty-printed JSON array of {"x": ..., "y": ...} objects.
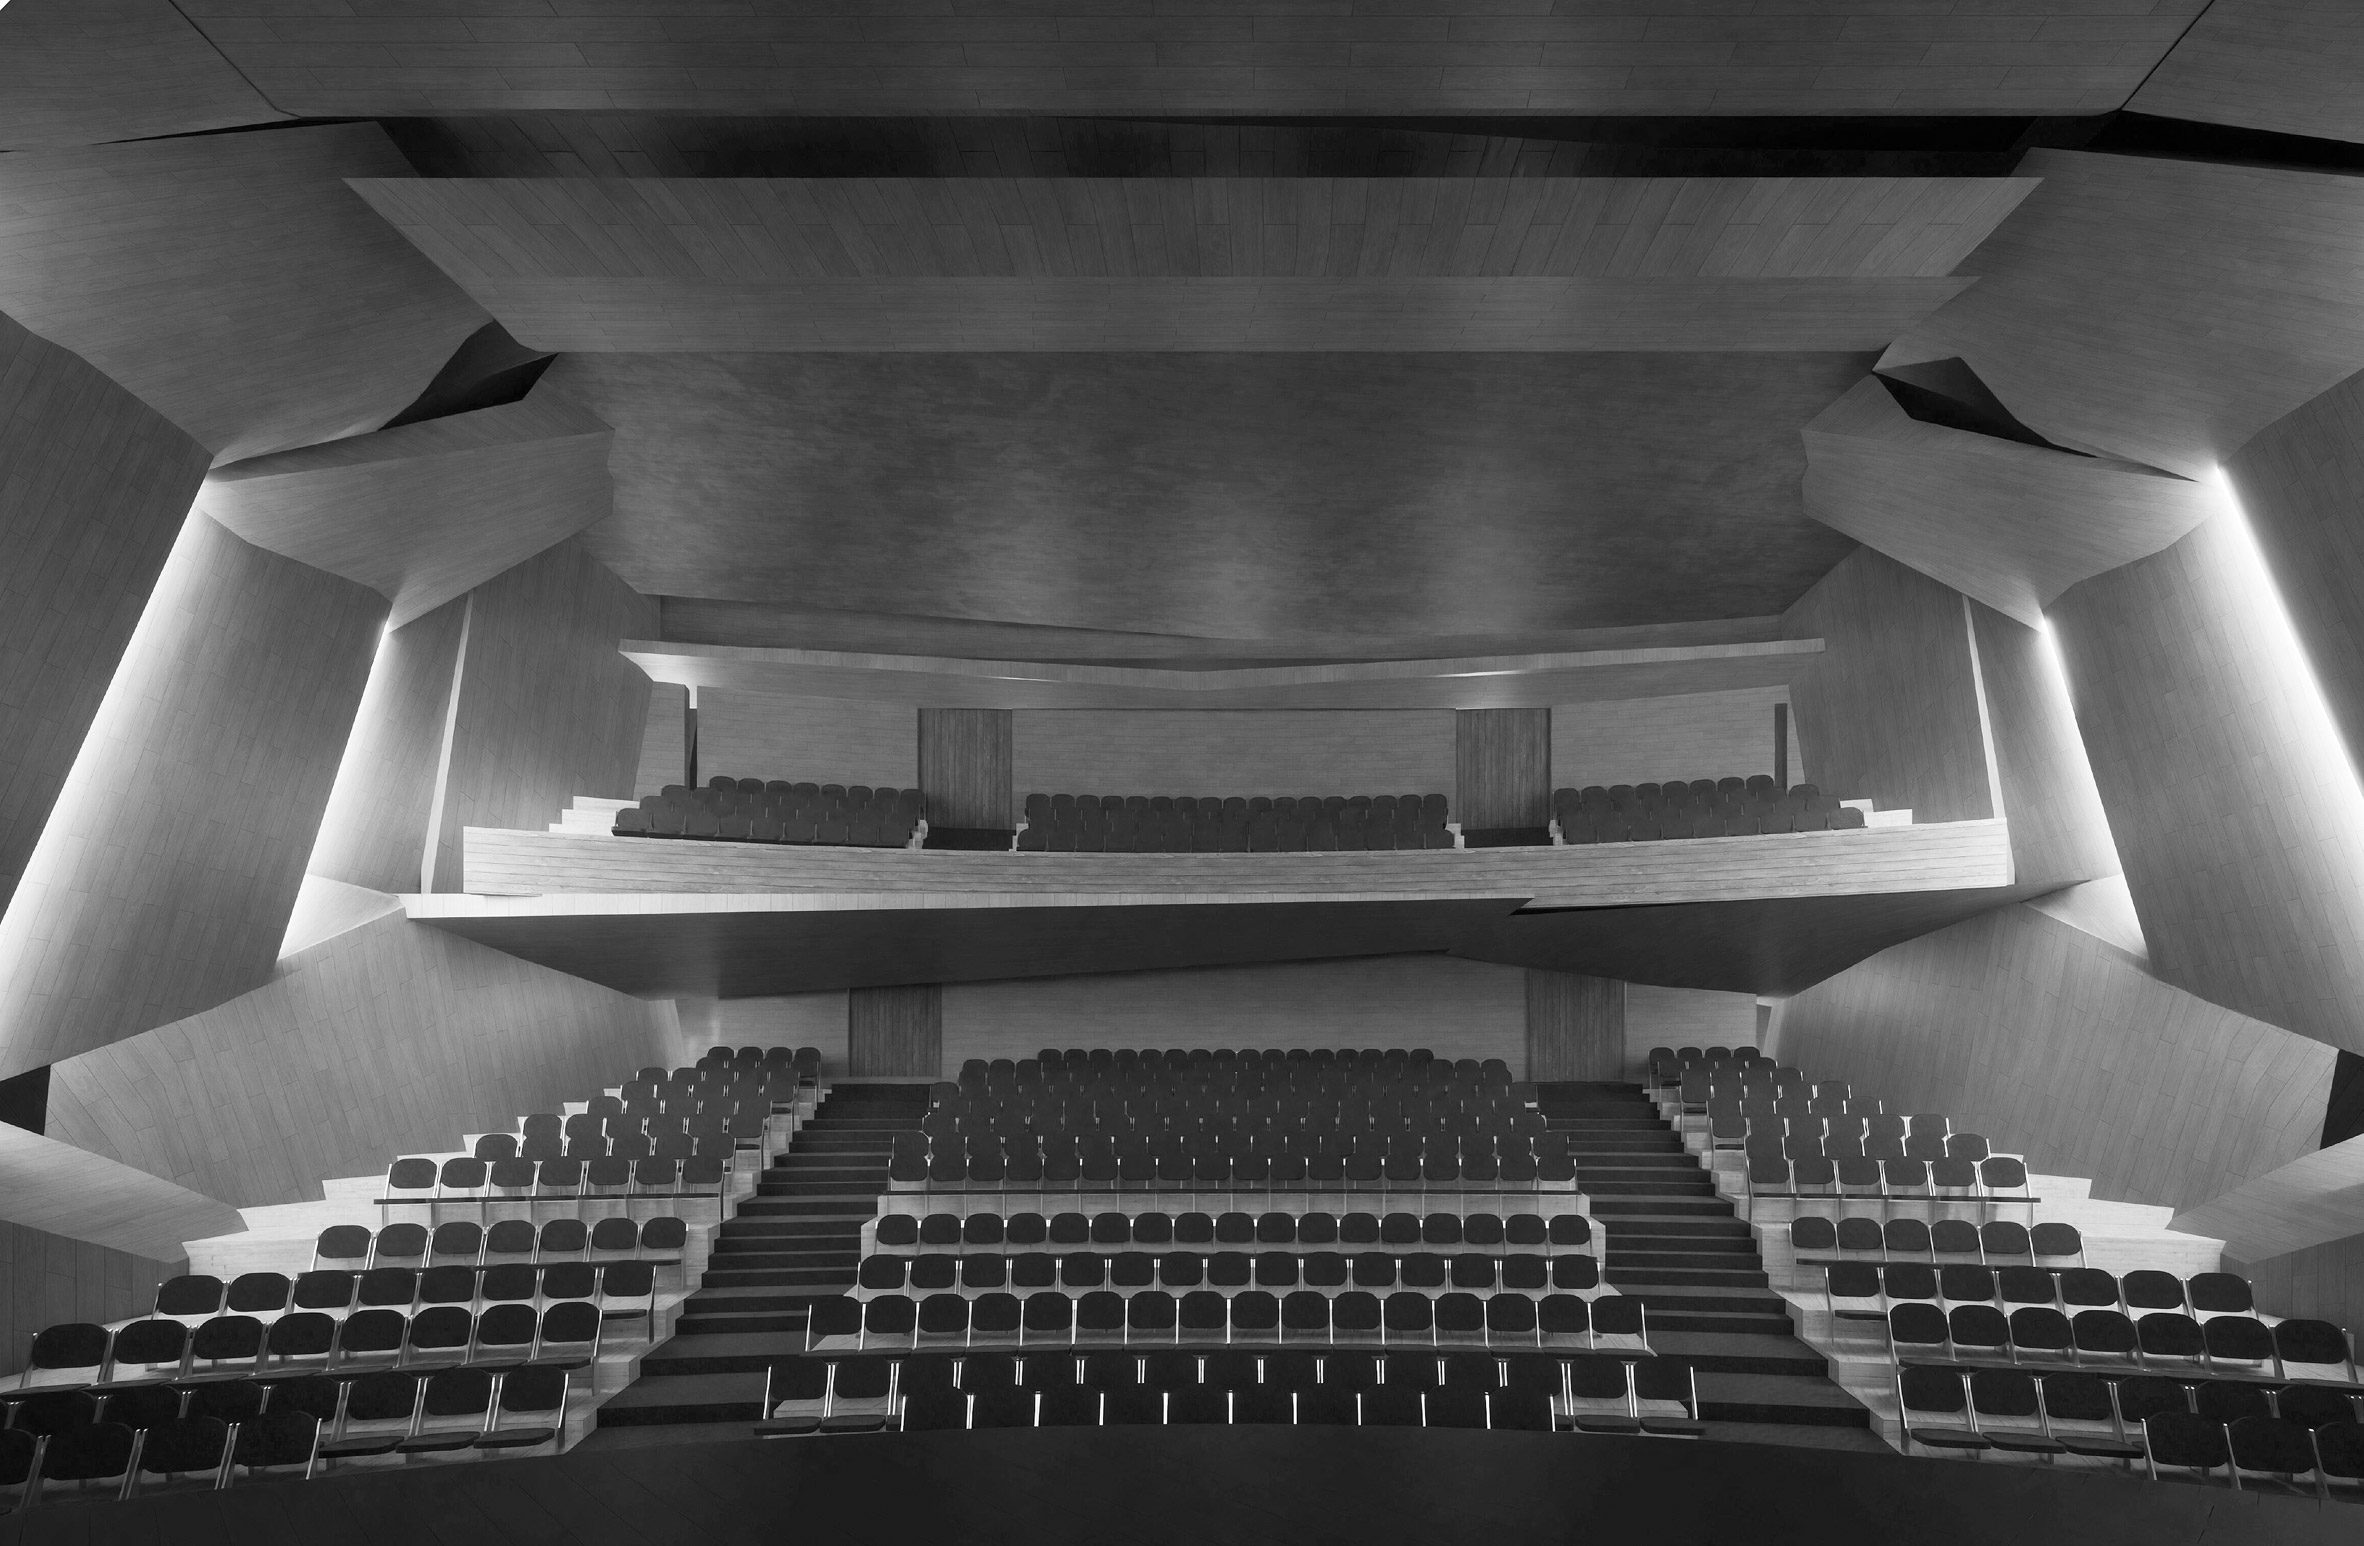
[
  {"x": 1454, "y": 1008},
  {"x": 794, "y": 228},
  {"x": 1688, "y": 735},
  {"x": 2235, "y": 813},
  {"x": 907, "y": 441},
  {"x": 2286, "y": 66},
  {"x": 816, "y": 1020},
  {"x": 377, "y": 831},
  {"x": 1631, "y": 57},
  {"x": 1876, "y": 859},
  {"x": 1484, "y": 681},
  {"x": 661, "y": 761},
  {"x": 1501, "y": 768},
  {"x": 1262, "y": 314},
  {"x": 895, "y": 1033},
  {"x": 817, "y": 740},
  {"x": 1888, "y": 710},
  {"x": 1661, "y": 1016},
  {"x": 2060, "y": 834},
  {"x": 1248, "y": 752},
  {"x": 1575, "y": 1026},
  {"x": 2011, "y": 525},
  {"x": 94, "y": 485},
  {"x": 83, "y": 72},
  {"x": 57, "y": 1188},
  {"x": 2324, "y": 1282},
  {"x": 388, "y": 1038},
  {"x": 2300, "y": 482},
  {"x": 547, "y": 709},
  {"x": 2307, "y": 1203},
  {"x": 964, "y": 767},
  {"x": 2116, "y": 310},
  {"x": 233, "y": 281},
  {"x": 164, "y": 878},
  {"x": 52, "y": 1279},
  {"x": 672, "y": 947},
  {"x": 2056, "y": 1045},
  {"x": 429, "y": 511}
]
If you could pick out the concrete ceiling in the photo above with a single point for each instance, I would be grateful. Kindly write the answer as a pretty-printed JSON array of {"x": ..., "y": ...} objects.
[{"x": 1237, "y": 496}]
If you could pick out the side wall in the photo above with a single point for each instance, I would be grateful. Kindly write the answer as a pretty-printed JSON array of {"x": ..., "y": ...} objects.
[
  {"x": 375, "y": 831},
  {"x": 51, "y": 1279},
  {"x": 547, "y": 709},
  {"x": 1263, "y": 752},
  {"x": 164, "y": 879},
  {"x": 823, "y": 740},
  {"x": 1684, "y": 1017},
  {"x": 2060, "y": 834},
  {"x": 1888, "y": 712},
  {"x": 1688, "y": 736},
  {"x": 2057, "y": 1045},
  {"x": 2234, "y": 805},
  {"x": 389, "y": 1038},
  {"x": 94, "y": 484}
]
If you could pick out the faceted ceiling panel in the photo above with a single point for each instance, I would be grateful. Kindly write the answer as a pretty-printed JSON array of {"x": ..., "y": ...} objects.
[{"x": 1239, "y": 496}]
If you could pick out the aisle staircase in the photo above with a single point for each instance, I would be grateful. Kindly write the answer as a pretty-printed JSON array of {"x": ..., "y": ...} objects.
[
  {"x": 1679, "y": 1247},
  {"x": 796, "y": 1239}
]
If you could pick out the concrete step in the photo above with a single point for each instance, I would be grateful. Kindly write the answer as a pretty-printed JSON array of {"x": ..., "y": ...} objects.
[
  {"x": 685, "y": 1398},
  {"x": 725, "y": 1353}
]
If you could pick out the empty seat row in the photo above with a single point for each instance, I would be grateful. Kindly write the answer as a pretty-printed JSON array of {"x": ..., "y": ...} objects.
[
  {"x": 215, "y": 1431},
  {"x": 1028, "y": 1231},
  {"x": 481, "y": 1184},
  {"x": 1852, "y": 1286},
  {"x": 1328, "y": 1271},
  {"x": 1593, "y": 1392},
  {"x": 2301, "y": 1436},
  {"x": 658, "y": 1240},
  {"x": 164, "y": 1350},
  {"x": 1234, "y": 824},
  {"x": 750, "y": 810},
  {"x": 1206, "y": 1315},
  {"x": 2042, "y": 1334},
  {"x": 1999, "y": 1178},
  {"x": 1179, "y": 1170},
  {"x": 1679, "y": 808},
  {"x": 1816, "y": 1239}
]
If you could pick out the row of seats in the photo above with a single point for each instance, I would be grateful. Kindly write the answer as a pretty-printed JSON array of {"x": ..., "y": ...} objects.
[
  {"x": 2000, "y": 1178},
  {"x": 1064, "y": 823},
  {"x": 659, "y": 1241},
  {"x": 2041, "y": 1334},
  {"x": 748, "y": 810},
  {"x": 1333, "y": 1271},
  {"x": 1228, "y": 1068},
  {"x": 1726, "y": 807},
  {"x": 1881, "y": 1288},
  {"x": 147, "y": 1351},
  {"x": 1054, "y": 1316},
  {"x": 1176, "y": 1169},
  {"x": 217, "y": 1430},
  {"x": 1594, "y": 1392},
  {"x": 482, "y": 1185},
  {"x": 2298, "y": 1436},
  {"x": 1997, "y": 1242},
  {"x": 1061, "y": 1231}
]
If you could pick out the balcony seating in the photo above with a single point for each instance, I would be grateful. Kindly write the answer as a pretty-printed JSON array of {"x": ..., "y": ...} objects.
[
  {"x": 750, "y": 810},
  {"x": 1065, "y": 823}
]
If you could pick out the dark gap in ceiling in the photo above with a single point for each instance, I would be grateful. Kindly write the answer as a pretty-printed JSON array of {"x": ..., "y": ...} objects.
[
  {"x": 1948, "y": 392},
  {"x": 688, "y": 145},
  {"x": 24, "y": 1100},
  {"x": 266, "y": 127},
  {"x": 488, "y": 369},
  {"x": 2343, "y": 1112},
  {"x": 2178, "y": 139}
]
